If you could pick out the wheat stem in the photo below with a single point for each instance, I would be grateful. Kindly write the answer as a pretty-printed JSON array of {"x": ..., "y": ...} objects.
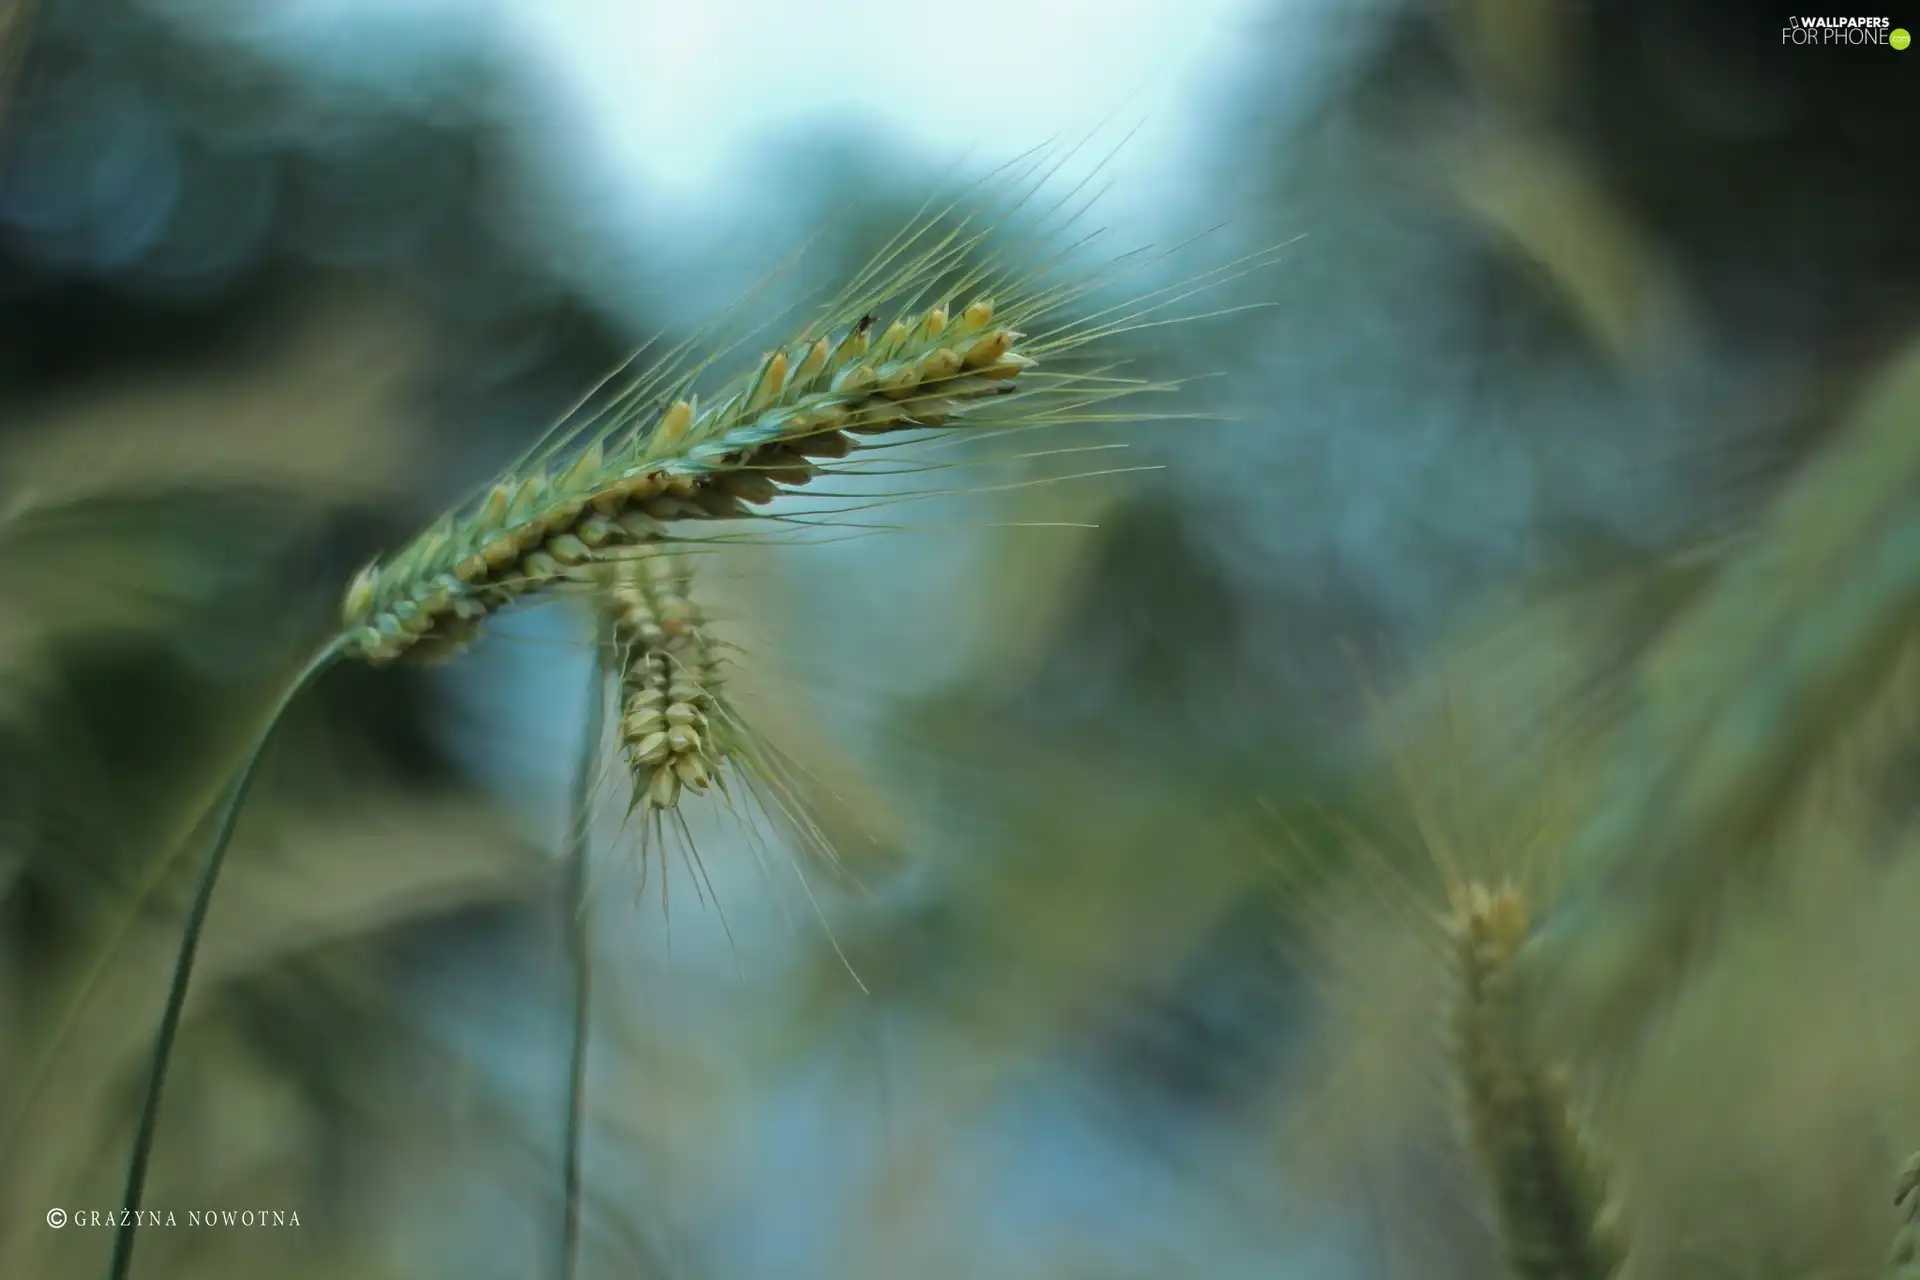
[
  {"x": 580, "y": 944},
  {"x": 183, "y": 965}
]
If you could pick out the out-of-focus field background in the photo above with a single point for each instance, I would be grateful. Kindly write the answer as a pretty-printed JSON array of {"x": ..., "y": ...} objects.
[{"x": 1558, "y": 519}]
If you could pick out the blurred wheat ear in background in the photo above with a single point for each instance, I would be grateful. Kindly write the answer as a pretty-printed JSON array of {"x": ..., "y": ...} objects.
[{"x": 1549, "y": 1190}]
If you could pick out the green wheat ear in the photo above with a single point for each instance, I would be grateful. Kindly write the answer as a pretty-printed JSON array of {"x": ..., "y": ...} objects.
[
  {"x": 675, "y": 728},
  {"x": 611, "y": 486},
  {"x": 772, "y": 431}
]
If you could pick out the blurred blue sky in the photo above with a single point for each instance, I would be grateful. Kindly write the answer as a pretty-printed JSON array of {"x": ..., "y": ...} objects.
[{"x": 646, "y": 119}]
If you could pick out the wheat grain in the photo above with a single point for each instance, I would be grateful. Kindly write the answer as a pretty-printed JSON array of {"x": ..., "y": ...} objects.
[
  {"x": 1548, "y": 1189},
  {"x": 673, "y": 728},
  {"x": 678, "y": 731}
]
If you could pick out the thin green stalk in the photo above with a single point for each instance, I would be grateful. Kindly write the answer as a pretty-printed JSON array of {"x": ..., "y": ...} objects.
[
  {"x": 579, "y": 939},
  {"x": 183, "y": 966}
]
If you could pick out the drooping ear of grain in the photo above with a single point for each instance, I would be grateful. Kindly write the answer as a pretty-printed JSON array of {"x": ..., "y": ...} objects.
[
  {"x": 984, "y": 337},
  {"x": 1548, "y": 1190},
  {"x": 671, "y": 722},
  {"x": 770, "y": 432}
]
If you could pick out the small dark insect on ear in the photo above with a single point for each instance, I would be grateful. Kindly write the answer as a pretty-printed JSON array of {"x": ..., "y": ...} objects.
[
  {"x": 866, "y": 323},
  {"x": 653, "y": 410}
]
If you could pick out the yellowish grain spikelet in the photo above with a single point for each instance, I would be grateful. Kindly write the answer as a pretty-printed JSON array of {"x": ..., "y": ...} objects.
[{"x": 670, "y": 723}]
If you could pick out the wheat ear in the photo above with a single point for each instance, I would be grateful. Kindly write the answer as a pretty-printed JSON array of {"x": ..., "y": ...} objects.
[
  {"x": 677, "y": 731},
  {"x": 1548, "y": 1189},
  {"x": 229, "y": 818},
  {"x": 671, "y": 725},
  {"x": 766, "y": 433},
  {"x": 680, "y": 731}
]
